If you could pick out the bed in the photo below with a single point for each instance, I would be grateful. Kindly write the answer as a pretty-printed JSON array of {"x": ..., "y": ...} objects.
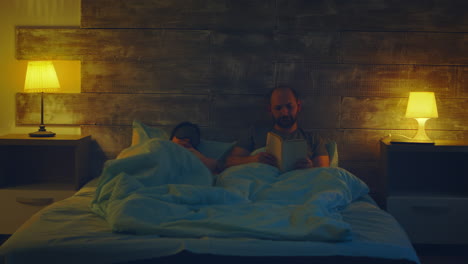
[{"x": 157, "y": 203}]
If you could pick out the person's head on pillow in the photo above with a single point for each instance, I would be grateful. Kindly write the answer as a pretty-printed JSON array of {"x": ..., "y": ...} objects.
[{"x": 186, "y": 134}]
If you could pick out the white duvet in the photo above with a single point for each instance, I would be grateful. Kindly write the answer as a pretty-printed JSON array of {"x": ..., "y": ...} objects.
[{"x": 161, "y": 188}]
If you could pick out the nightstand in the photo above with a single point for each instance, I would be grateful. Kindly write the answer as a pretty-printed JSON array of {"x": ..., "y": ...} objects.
[
  {"x": 427, "y": 189},
  {"x": 35, "y": 172}
]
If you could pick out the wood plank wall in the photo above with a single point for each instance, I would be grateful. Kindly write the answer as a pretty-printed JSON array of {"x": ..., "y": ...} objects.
[{"x": 210, "y": 62}]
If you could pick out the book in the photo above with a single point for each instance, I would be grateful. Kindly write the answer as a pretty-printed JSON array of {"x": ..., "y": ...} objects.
[{"x": 287, "y": 152}]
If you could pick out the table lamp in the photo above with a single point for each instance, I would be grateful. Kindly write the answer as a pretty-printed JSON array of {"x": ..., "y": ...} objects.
[
  {"x": 41, "y": 77},
  {"x": 421, "y": 106}
]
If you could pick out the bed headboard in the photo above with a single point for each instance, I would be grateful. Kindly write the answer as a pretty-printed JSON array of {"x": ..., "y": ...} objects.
[{"x": 211, "y": 62}]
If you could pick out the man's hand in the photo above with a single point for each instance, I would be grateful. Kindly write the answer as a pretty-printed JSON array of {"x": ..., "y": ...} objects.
[
  {"x": 305, "y": 163},
  {"x": 265, "y": 158},
  {"x": 185, "y": 142}
]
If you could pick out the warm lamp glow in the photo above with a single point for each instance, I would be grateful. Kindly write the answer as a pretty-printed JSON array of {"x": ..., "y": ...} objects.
[
  {"x": 421, "y": 106},
  {"x": 41, "y": 77}
]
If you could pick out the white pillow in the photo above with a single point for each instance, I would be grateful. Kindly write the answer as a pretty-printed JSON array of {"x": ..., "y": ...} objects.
[
  {"x": 212, "y": 149},
  {"x": 215, "y": 149},
  {"x": 142, "y": 132},
  {"x": 332, "y": 153}
]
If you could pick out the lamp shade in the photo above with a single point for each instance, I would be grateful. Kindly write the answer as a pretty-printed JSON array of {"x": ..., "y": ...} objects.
[
  {"x": 421, "y": 105},
  {"x": 41, "y": 77}
]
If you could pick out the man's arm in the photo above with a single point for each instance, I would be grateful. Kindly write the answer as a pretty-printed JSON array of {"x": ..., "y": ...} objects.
[
  {"x": 211, "y": 164},
  {"x": 240, "y": 156},
  {"x": 321, "y": 161}
]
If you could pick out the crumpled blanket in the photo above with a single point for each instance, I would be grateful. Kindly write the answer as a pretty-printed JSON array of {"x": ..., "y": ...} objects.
[{"x": 161, "y": 188}]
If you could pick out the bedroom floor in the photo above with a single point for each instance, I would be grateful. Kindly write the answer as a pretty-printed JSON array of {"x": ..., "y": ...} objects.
[
  {"x": 442, "y": 254},
  {"x": 427, "y": 254},
  {"x": 443, "y": 260}
]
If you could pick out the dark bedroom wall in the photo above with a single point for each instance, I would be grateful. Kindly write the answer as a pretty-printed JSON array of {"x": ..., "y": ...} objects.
[{"x": 210, "y": 61}]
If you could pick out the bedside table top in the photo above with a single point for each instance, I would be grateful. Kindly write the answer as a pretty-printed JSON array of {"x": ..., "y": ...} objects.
[
  {"x": 439, "y": 145},
  {"x": 58, "y": 140},
  {"x": 437, "y": 142}
]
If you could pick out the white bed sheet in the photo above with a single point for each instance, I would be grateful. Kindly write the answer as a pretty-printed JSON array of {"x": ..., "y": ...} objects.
[{"x": 68, "y": 232}]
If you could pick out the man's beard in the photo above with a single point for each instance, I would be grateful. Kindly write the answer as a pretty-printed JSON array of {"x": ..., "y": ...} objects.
[{"x": 285, "y": 121}]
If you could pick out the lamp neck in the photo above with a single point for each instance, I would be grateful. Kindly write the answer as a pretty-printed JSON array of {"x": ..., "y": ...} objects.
[
  {"x": 421, "y": 134},
  {"x": 42, "y": 108}
]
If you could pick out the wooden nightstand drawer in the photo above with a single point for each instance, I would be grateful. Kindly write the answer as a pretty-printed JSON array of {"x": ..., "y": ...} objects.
[
  {"x": 35, "y": 172},
  {"x": 19, "y": 204},
  {"x": 432, "y": 220},
  {"x": 60, "y": 159}
]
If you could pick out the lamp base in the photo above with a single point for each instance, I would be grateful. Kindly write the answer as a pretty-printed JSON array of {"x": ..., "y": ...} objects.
[
  {"x": 420, "y": 137},
  {"x": 42, "y": 132}
]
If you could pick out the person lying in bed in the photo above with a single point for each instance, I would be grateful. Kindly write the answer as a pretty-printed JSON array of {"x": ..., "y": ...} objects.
[
  {"x": 188, "y": 135},
  {"x": 284, "y": 107}
]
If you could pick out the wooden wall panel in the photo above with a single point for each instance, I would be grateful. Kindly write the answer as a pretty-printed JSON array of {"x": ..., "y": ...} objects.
[
  {"x": 389, "y": 113},
  {"x": 51, "y": 44},
  {"x": 414, "y": 15},
  {"x": 112, "y": 109},
  {"x": 461, "y": 135},
  {"x": 169, "y": 76},
  {"x": 319, "y": 15},
  {"x": 374, "y": 47},
  {"x": 240, "y": 111},
  {"x": 242, "y": 63},
  {"x": 234, "y": 75},
  {"x": 374, "y": 112},
  {"x": 405, "y": 48},
  {"x": 361, "y": 144},
  {"x": 245, "y": 15},
  {"x": 442, "y": 80},
  {"x": 320, "y": 112},
  {"x": 308, "y": 47},
  {"x": 242, "y": 44},
  {"x": 332, "y": 134},
  {"x": 463, "y": 82},
  {"x": 111, "y": 44},
  {"x": 368, "y": 79},
  {"x": 372, "y": 15},
  {"x": 453, "y": 114}
]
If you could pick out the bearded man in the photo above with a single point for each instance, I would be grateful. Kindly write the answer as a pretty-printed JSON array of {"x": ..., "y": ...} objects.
[{"x": 284, "y": 108}]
